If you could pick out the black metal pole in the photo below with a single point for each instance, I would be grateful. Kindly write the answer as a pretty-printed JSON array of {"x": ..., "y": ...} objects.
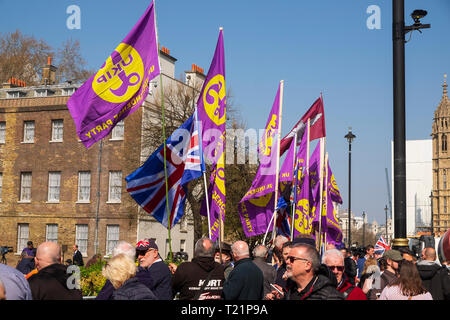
[
  {"x": 349, "y": 193},
  {"x": 364, "y": 229},
  {"x": 398, "y": 38}
]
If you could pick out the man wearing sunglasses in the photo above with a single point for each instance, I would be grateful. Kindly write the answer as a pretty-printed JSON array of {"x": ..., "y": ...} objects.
[
  {"x": 148, "y": 257},
  {"x": 334, "y": 260},
  {"x": 305, "y": 281}
]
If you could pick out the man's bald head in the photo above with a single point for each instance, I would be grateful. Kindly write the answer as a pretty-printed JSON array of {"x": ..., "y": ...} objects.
[
  {"x": 240, "y": 250},
  {"x": 47, "y": 253},
  {"x": 429, "y": 254}
]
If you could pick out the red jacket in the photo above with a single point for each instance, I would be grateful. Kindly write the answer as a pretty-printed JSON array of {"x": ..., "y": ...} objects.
[{"x": 351, "y": 294}]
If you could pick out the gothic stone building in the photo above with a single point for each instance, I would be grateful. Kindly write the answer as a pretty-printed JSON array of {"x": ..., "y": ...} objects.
[{"x": 441, "y": 165}]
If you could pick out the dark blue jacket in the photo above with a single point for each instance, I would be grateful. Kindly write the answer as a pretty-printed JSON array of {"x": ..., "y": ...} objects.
[
  {"x": 142, "y": 275},
  {"x": 245, "y": 282},
  {"x": 133, "y": 289},
  {"x": 162, "y": 278}
]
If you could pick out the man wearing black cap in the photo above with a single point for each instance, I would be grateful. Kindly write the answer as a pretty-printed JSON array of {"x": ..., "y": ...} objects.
[
  {"x": 149, "y": 259},
  {"x": 226, "y": 260}
]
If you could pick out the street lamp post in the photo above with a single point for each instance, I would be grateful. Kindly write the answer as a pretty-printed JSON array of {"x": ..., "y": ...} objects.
[
  {"x": 349, "y": 136},
  {"x": 399, "y": 30},
  {"x": 364, "y": 228}
]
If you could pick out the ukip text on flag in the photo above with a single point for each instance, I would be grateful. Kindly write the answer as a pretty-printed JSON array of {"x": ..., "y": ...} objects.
[
  {"x": 120, "y": 86},
  {"x": 211, "y": 106},
  {"x": 256, "y": 207}
]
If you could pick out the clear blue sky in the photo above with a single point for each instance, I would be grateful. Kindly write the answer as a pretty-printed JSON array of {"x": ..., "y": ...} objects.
[{"x": 314, "y": 46}]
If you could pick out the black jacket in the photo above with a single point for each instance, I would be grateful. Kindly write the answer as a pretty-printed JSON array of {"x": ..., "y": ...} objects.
[
  {"x": 133, "y": 289},
  {"x": 319, "y": 288},
  {"x": 142, "y": 275},
  {"x": 78, "y": 259},
  {"x": 433, "y": 279},
  {"x": 245, "y": 282},
  {"x": 190, "y": 276},
  {"x": 50, "y": 283}
]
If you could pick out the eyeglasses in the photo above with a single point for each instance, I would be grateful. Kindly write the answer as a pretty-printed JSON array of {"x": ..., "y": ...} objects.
[
  {"x": 339, "y": 268},
  {"x": 141, "y": 252},
  {"x": 291, "y": 259}
]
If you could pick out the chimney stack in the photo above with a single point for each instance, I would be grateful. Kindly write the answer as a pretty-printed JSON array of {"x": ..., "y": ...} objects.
[
  {"x": 165, "y": 50},
  {"x": 48, "y": 73},
  {"x": 13, "y": 83}
]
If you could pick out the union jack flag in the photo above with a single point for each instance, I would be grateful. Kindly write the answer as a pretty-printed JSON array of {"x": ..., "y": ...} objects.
[
  {"x": 184, "y": 162},
  {"x": 283, "y": 219},
  {"x": 381, "y": 245}
]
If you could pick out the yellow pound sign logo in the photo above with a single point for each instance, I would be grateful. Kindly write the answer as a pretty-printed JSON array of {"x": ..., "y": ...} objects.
[
  {"x": 121, "y": 75},
  {"x": 214, "y": 109}
]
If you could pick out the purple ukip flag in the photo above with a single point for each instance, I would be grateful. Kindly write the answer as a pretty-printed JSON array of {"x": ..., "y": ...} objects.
[
  {"x": 332, "y": 185},
  {"x": 120, "y": 86},
  {"x": 286, "y": 170},
  {"x": 333, "y": 229},
  {"x": 211, "y": 106},
  {"x": 304, "y": 209},
  {"x": 257, "y": 206}
]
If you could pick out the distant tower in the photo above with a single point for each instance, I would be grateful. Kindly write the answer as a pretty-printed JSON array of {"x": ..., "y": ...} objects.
[{"x": 441, "y": 164}]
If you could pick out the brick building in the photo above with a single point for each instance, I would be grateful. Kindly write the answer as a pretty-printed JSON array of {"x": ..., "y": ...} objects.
[{"x": 53, "y": 188}]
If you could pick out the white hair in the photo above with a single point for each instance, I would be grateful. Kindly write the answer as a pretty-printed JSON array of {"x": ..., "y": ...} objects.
[
  {"x": 260, "y": 251},
  {"x": 280, "y": 240},
  {"x": 332, "y": 252},
  {"x": 123, "y": 247}
]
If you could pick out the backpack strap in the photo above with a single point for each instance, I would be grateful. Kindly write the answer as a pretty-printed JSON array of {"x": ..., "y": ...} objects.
[{"x": 347, "y": 292}]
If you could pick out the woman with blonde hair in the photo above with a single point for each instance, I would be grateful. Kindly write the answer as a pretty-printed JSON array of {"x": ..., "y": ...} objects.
[{"x": 120, "y": 270}]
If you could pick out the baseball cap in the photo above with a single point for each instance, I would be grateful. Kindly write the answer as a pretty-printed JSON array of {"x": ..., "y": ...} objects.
[
  {"x": 394, "y": 255},
  {"x": 146, "y": 244},
  {"x": 304, "y": 240},
  {"x": 225, "y": 247}
]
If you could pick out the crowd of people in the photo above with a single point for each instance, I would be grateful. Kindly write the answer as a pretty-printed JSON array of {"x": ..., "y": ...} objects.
[{"x": 290, "y": 270}]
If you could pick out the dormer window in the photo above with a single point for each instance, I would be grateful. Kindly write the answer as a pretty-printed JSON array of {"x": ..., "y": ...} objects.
[
  {"x": 68, "y": 91},
  {"x": 14, "y": 94},
  {"x": 43, "y": 93}
]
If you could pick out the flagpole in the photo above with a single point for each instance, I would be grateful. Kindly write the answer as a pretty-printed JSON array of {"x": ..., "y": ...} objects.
[
  {"x": 268, "y": 226},
  {"x": 294, "y": 176},
  {"x": 321, "y": 176},
  {"x": 163, "y": 120},
  {"x": 200, "y": 137},
  {"x": 221, "y": 223},
  {"x": 278, "y": 161}
]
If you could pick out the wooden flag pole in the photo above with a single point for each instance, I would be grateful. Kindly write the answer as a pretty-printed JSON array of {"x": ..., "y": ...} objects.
[
  {"x": 221, "y": 222},
  {"x": 278, "y": 162},
  {"x": 294, "y": 187},
  {"x": 321, "y": 176},
  {"x": 163, "y": 120}
]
